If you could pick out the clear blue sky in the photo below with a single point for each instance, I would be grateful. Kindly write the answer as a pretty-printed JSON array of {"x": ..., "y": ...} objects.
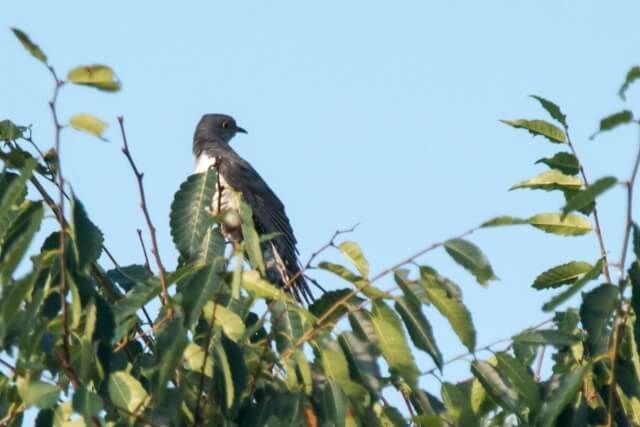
[{"x": 364, "y": 111}]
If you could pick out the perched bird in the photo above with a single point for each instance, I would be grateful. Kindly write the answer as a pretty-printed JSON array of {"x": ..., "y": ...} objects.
[{"x": 210, "y": 146}]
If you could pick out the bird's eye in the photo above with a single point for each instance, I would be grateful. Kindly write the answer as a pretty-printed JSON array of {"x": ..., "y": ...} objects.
[{"x": 225, "y": 125}]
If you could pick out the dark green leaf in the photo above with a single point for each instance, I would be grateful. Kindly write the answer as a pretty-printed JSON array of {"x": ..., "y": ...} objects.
[
  {"x": 538, "y": 127},
  {"x": 170, "y": 345},
  {"x": 564, "y": 162},
  {"x": 452, "y": 308},
  {"x": 587, "y": 196},
  {"x": 469, "y": 256},
  {"x": 596, "y": 311},
  {"x": 30, "y": 46},
  {"x": 457, "y": 401},
  {"x": 86, "y": 403},
  {"x": 412, "y": 289},
  {"x": 363, "y": 364},
  {"x": 550, "y": 180},
  {"x": 592, "y": 274},
  {"x": 10, "y": 131},
  {"x": 87, "y": 238},
  {"x": 19, "y": 237},
  {"x": 503, "y": 220},
  {"x": 393, "y": 343},
  {"x": 128, "y": 276},
  {"x": 12, "y": 195},
  {"x": 632, "y": 75},
  {"x": 499, "y": 391},
  {"x": 550, "y": 337},
  {"x": 570, "y": 225},
  {"x": 419, "y": 328},
  {"x": 190, "y": 214},
  {"x": 335, "y": 403},
  {"x": 362, "y": 326},
  {"x": 98, "y": 76},
  {"x": 288, "y": 326},
  {"x": 562, "y": 274},
  {"x": 636, "y": 241},
  {"x": 137, "y": 297},
  {"x": 251, "y": 237},
  {"x": 634, "y": 275},
  {"x": 552, "y": 109},
  {"x": 336, "y": 367},
  {"x": 561, "y": 396},
  {"x": 328, "y": 300},
  {"x": 522, "y": 381},
  {"x": 613, "y": 121}
]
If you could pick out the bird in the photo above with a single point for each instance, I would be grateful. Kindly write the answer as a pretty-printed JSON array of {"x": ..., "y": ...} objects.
[{"x": 212, "y": 149}]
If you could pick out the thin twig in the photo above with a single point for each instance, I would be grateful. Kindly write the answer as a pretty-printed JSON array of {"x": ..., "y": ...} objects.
[
  {"x": 8, "y": 365},
  {"x": 9, "y": 417},
  {"x": 144, "y": 250},
  {"x": 622, "y": 312},
  {"x": 598, "y": 229},
  {"x": 152, "y": 229},
  {"x": 539, "y": 363}
]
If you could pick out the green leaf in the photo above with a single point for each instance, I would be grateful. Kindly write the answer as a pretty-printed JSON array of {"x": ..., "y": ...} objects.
[
  {"x": 471, "y": 258},
  {"x": 362, "y": 360},
  {"x": 359, "y": 282},
  {"x": 328, "y": 300},
  {"x": 412, "y": 289},
  {"x": 335, "y": 403},
  {"x": 126, "y": 392},
  {"x": 98, "y": 76},
  {"x": 287, "y": 323},
  {"x": 170, "y": 344},
  {"x": 632, "y": 75},
  {"x": 634, "y": 275},
  {"x": 552, "y": 109},
  {"x": 550, "y": 180},
  {"x": 522, "y": 381},
  {"x": 503, "y": 220},
  {"x": 38, "y": 393},
  {"x": 590, "y": 275},
  {"x": 550, "y": 337},
  {"x": 352, "y": 251},
  {"x": 636, "y": 241},
  {"x": 561, "y": 274},
  {"x": 190, "y": 216},
  {"x": 596, "y": 311},
  {"x": 19, "y": 237},
  {"x": 561, "y": 396},
  {"x": 87, "y": 403},
  {"x": 30, "y": 46},
  {"x": 194, "y": 360},
  {"x": 9, "y": 131},
  {"x": 250, "y": 237},
  {"x": 452, "y": 308},
  {"x": 571, "y": 225},
  {"x": 613, "y": 121},
  {"x": 137, "y": 297},
  {"x": 223, "y": 367},
  {"x": 566, "y": 163},
  {"x": 538, "y": 127},
  {"x": 499, "y": 391},
  {"x": 232, "y": 324},
  {"x": 335, "y": 366},
  {"x": 587, "y": 196},
  {"x": 87, "y": 238},
  {"x": 419, "y": 328},
  {"x": 13, "y": 194},
  {"x": 88, "y": 123},
  {"x": 393, "y": 343}
]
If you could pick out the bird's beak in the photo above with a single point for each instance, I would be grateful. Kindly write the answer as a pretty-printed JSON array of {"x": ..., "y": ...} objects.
[{"x": 241, "y": 130}]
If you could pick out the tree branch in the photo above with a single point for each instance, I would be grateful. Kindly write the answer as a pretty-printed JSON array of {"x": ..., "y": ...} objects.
[{"x": 152, "y": 229}]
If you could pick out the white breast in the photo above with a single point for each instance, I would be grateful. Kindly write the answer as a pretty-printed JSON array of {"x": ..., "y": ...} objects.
[{"x": 228, "y": 202}]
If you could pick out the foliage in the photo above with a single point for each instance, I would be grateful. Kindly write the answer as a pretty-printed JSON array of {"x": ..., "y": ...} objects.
[{"x": 228, "y": 348}]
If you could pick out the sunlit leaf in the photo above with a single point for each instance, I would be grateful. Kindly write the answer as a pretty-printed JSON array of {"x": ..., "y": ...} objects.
[
  {"x": 9, "y": 131},
  {"x": 547, "y": 337},
  {"x": 250, "y": 236},
  {"x": 469, "y": 256},
  {"x": 503, "y": 220},
  {"x": 587, "y": 196},
  {"x": 352, "y": 251},
  {"x": 335, "y": 403},
  {"x": 571, "y": 225},
  {"x": 38, "y": 393},
  {"x": 232, "y": 324},
  {"x": 252, "y": 282},
  {"x": 550, "y": 180},
  {"x": 553, "y": 110},
  {"x": 412, "y": 289},
  {"x": 539, "y": 127},
  {"x": 613, "y": 121},
  {"x": 88, "y": 123},
  {"x": 521, "y": 379},
  {"x": 393, "y": 343},
  {"x": 632, "y": 75},
  {"x": 30, "y": 46},
  {"x": 194, "y": 360},
  {"x": 562, "y": 274},
  {"x": 98, "y": 76},
  {"x": 566, "y": 163}
]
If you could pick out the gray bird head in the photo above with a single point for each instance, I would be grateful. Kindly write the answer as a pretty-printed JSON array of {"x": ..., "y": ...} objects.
[{"x": 216, "y": 127}]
